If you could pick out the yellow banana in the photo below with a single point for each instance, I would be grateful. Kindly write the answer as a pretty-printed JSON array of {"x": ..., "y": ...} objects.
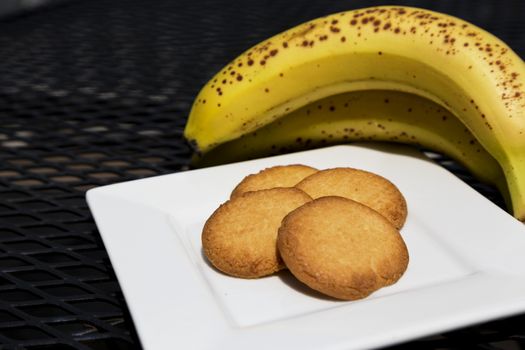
[
  {"x": 445, "y": 59},
  {"x": 374, "y": 115}
]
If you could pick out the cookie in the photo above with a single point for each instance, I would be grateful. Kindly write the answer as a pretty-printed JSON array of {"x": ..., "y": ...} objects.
[
  {"x": 341, "y": 248},
  {"x": 362, "y": 186},
  {"x": 240, "y": 237},
  {"x": 277, "y": 176}
]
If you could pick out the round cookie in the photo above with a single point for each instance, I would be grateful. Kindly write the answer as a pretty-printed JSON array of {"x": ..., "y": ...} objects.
[
  {"x": 341, "y": 248},
  {"x": 276, "y": 176},
  {"x": 240, "y": 237},
  {"x": 362, "y": 186}
]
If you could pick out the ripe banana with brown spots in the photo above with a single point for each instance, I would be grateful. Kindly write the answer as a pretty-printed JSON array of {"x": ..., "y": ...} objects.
[
  {"x": 461, "y": 67},
  {"x": 373, "y": 115}
]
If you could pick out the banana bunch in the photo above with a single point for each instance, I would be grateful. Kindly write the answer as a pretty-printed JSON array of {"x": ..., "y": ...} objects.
[
  {"x": 369, "y": 115},
  {"x": 473, "y": 76}
]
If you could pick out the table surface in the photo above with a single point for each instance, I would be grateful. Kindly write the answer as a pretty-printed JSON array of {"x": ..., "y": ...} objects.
[{"x": 97, "y": 92}]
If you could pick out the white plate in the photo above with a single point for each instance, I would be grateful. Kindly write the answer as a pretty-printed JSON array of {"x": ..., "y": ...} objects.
[{"x": 467, "y": 262}]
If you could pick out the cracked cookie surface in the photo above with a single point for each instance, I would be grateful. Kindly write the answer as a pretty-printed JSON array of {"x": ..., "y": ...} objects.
[
  {"x": 240, "y": 237},
  {"x": 341, "y": 248},
  {"x": 276, "y": 176},
  {"x": 362, "y": 186}
]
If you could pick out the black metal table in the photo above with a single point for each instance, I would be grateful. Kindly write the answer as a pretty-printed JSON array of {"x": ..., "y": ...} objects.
[{"x": 95, "y": 92}]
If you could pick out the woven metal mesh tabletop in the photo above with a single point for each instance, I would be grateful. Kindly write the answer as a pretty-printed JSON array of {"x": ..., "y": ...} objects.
[{"x": 97, "y": 92}]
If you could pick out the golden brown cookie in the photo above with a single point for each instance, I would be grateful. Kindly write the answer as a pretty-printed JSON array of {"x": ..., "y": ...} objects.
[
  {"x": 240, "y": 236},
  {"x": 362, "y": 186},
  {"x": 341, "y": 248},
  {"x": 277, "y": 176}
]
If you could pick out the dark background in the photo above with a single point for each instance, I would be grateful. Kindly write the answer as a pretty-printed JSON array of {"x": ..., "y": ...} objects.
[{"x": 96, "y": 92}]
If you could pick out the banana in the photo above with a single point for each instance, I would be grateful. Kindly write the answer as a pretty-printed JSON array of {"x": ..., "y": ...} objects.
[
  {"x": 375, "y": 115},
  {"x": 463, "y": 68}
]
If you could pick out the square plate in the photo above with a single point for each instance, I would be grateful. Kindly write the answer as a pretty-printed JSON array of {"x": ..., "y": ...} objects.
[{"x": 467, "y": 261}]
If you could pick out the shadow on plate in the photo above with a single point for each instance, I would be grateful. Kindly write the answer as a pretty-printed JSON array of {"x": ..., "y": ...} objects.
[
  {"x": 289, "y": 279},
  {"x": 284, "y": 275}
]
